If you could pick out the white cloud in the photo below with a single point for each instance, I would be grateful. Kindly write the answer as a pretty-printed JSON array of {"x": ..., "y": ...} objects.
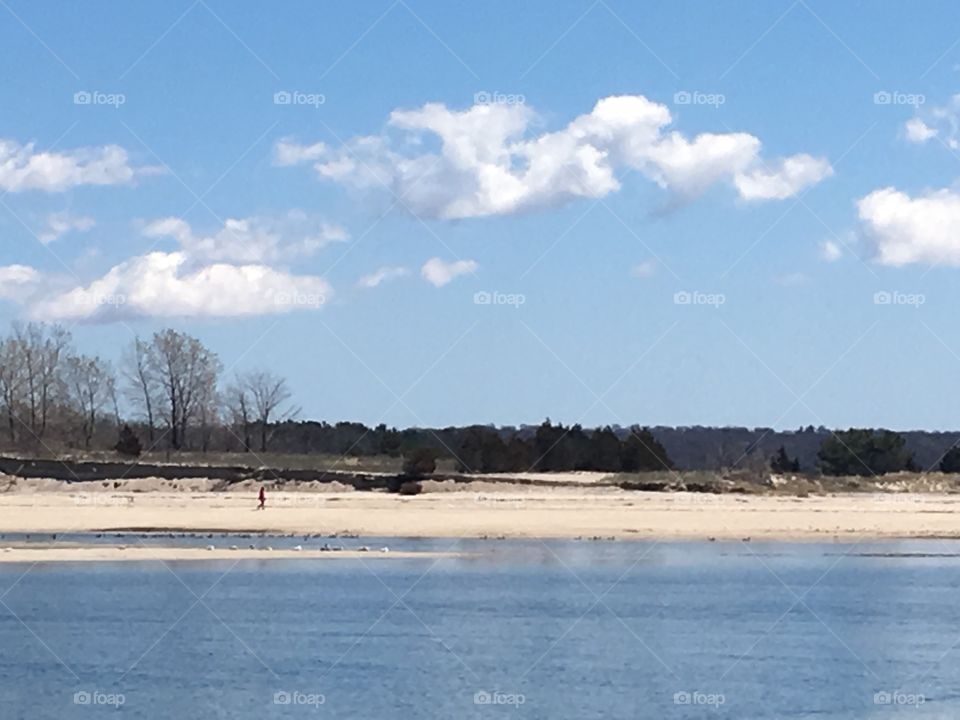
[
  {"x": 907, "y": 230},
  {"x": 488, "y": 163},
  {"x": 439, "y": 273},
  {"x": 644, "y": 269},
  {"x": 830, "y": 251},
  {"x": 381, "y": 275},
  {"x": 290, "y": 153},
  {"x": 788, "y": 178},
  {"x": 226, "y": 274},
  {"x": 61, "y": 223},
  {"x": 17, "y": 282},
  {"x": 22, "y": 167},
  {"x": 918, "y": 131},
  {"x": 163, "y": 285},
  {"x": 942, "y": 122},
  {"x": 251, "y": 240}
]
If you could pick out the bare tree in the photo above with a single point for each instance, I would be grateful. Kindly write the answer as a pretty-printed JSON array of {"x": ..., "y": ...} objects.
[
  {"x": 187, "y": 374},
  {"x": 237, "y": 402},
  {"x": 90, "y": 387},
  {"x": 141, "y": 384},
  {"x": 268, "y": 395},
  {"x": 43, "y": 349},
  {"x": 209, "y": 403},
  {"x": 12, "y": 378}
]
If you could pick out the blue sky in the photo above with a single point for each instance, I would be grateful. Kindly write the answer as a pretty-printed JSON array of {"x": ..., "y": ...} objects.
[{"x": 788, "y": 257}]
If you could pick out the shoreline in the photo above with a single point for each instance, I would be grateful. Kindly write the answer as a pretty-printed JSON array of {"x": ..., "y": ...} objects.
[
  {"x": 589, "y": 513},
  {"x": 52, "y": 553}
]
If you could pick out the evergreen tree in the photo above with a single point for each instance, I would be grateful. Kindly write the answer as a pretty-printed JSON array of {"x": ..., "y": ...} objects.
[
  {"x": 864, "y": 452},
  {"x": 605, "y": 450},
  {"x": 782, "y": 464},
  {"x": 641, "y": 452},
  {"x": 951, "y": 461},
  {"x": 128, "y": 443}
]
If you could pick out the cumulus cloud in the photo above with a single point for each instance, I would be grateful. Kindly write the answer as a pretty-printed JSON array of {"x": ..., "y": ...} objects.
[
  {"x": 61, "y": 223},
  {"x": 918, "y": 131},
  {"x": 381, "y": 275},
  {"x": 23, "y": 168},
  {"x": 162, "y": 285},
  {"x": 905, "y": 230},
  {"x": 438, "y": 273},
  {"x": 830, "y": 251},
  {"x": 941, "y": 122},
  {"x": 228, "y": 273},
  {"x": 785, "y": 180},
  {"x": 253, "y": 240},
  {"x": 487, "y": 162},
  {"x": 289, "y": 153},
  {"x": 17, "y": 282}
]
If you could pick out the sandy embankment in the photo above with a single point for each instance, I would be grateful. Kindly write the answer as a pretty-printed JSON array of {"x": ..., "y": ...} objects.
[{"x": 475, "y": 510}]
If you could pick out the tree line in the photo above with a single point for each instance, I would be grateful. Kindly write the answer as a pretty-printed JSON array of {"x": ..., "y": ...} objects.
[
  {"x": 170, "y": 392},
  {"x": 866, "y": 452},
  {"x": 170, "y": 387}
]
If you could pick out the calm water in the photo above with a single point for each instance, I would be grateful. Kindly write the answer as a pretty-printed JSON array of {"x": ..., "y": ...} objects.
[{"x": 556, "y": 630}]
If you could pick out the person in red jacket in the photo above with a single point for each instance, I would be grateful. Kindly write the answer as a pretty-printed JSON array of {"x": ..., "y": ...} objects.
[{"x": 263, "y": 498}]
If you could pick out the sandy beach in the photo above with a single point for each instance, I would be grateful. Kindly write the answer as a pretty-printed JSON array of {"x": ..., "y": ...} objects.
[{"x": 484, "y": 511}]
